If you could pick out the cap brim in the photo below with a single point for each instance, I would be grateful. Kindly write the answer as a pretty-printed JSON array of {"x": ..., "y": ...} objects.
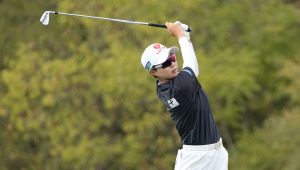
[{"x": 166, "y": 54}]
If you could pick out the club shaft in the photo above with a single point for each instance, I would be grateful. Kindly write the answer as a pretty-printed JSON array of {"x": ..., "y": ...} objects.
[
  {"x": 116, "y": 20},
  {"x": 103, "y": 18}
]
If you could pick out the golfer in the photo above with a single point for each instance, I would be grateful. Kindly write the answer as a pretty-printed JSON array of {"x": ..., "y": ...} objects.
[{"x": 184, "y": 98}]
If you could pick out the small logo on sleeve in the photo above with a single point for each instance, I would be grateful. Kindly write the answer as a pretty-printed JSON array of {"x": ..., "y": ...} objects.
[{"x": 173, "y": 103}]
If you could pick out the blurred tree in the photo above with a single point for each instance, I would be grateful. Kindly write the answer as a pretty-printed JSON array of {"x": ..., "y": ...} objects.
[
  {"x": 272, "y": 147},
  {"x": 74, "y": 95}
]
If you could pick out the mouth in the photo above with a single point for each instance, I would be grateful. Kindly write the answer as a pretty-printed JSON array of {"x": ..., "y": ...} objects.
[{"x": 175, "y": 71}]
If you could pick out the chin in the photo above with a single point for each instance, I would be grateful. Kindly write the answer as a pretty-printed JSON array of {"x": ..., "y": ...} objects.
[{"x": 174, "y": 75}]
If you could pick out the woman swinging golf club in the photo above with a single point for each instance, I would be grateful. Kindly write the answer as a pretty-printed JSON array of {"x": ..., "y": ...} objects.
[{"x": 184, "y": 98}]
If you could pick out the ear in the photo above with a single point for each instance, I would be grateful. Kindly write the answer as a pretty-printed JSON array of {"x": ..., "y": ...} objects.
[{"x": 153, "y": 72}]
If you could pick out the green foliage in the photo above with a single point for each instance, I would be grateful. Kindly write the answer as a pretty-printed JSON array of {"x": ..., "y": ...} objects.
[
  {"x": 272, "y": 147},
  {"x": 75, "y": 96}
]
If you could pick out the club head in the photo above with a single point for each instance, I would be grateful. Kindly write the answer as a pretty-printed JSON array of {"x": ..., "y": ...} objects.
[{"x": 45, "y": 17}]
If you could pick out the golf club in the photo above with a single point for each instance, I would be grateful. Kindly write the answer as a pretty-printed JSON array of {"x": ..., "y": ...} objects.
[{"x": 46, "y": 15}]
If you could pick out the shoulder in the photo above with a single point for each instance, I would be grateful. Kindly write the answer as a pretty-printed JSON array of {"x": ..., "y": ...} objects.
[
  {"x": 185, "y": 80},
  {"x": 189, "y": 71},
  {"x": 186, "y": 73}
]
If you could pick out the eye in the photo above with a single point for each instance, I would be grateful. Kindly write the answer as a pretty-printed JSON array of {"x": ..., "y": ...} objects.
[{"x": 167, "y": 64}]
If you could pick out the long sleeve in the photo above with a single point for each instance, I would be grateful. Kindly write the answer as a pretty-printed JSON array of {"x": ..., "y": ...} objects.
[{"x": 188, "y": 54}]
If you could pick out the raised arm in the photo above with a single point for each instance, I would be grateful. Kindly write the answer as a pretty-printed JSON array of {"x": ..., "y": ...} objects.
[{"x": 188, "y": 54}]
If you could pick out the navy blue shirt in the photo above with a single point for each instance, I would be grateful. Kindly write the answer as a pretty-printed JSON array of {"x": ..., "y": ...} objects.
[{"x": 188, "y": 104}]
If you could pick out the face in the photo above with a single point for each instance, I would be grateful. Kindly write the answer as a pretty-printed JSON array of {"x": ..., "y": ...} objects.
[{"x": 167, "y": 70}]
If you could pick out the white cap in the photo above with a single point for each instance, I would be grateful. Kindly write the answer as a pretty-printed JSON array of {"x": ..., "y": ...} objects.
[{"x": 156, "y": 54}]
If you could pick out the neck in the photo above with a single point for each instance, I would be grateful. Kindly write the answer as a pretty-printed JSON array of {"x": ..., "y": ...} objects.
[{"x": 162, "y": 81}]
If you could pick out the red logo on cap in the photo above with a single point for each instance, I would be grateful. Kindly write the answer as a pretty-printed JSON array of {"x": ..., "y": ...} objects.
[{"x": 156, "y": 46}]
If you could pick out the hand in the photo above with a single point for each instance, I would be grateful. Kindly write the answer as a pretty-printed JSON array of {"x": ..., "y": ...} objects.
[
  {"x": 175, "y": 29},
  {"x": 184, "y": 27}
]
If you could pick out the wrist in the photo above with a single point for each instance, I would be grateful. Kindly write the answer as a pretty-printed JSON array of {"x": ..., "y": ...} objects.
[
  {"x": 180, "y": 35},
  {"x": 183, "y": 38}
]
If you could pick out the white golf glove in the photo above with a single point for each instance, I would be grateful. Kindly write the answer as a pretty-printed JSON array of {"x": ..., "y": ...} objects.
[{"x": 184, "y": 27}]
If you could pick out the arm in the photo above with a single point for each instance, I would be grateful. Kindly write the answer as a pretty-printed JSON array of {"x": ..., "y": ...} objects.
[
  {"x": 188, "y": 54},
  {"x": 187, "y": 50}
]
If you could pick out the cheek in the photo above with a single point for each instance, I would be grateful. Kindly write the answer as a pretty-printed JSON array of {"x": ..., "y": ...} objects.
[
  {"x": 163, "y": 73},
  {"x": 166, "y": 73},
  {"x": 169, "y": 73}
]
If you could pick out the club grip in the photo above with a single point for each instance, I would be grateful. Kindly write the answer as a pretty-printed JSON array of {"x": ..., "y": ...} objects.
[{"x": 164, "y": 26}]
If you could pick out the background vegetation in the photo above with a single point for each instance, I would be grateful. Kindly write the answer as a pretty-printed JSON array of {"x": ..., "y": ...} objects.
[{"x": 75, "y": 96}]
